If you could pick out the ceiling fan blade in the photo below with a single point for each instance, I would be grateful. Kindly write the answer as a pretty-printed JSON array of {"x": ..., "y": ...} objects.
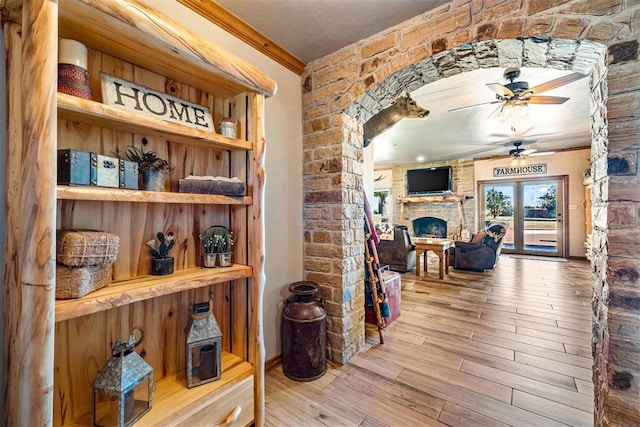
[
  {"x": 542, "y": 153},
  {"x": 500, "y": 89},
  {"x": 548, "y": 100},
  {"x": 560, "y": 81},
  {"x": 474, "y": 153},
  {"x": 474, "y": 105},
  {"x": 512, "y": 135},
  {"x": 510, "y": 142},
  {"x": 528, "y": 152}
]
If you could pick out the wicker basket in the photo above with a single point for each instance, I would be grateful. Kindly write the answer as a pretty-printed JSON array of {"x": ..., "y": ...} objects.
[
  {"x": 76, "y": 282},
  {"x": 80, "y": 248}
]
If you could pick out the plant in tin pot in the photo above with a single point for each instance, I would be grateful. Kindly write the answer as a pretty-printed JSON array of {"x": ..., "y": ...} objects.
[
  {"x": 161, "y": 263},
  {"x": 217, "y": 243},
  {"x": 150, "y": 166}
]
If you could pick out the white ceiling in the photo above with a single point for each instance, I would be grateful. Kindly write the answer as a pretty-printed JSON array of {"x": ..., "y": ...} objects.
[{"x": 311, "y": 29}]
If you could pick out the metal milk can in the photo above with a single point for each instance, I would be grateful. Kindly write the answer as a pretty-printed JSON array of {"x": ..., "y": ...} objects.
[{"x": 304, "y": 333}]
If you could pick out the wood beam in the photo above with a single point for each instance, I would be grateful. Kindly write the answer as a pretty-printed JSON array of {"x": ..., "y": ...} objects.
[
  {"x": 29, "y": 276},
  {"x": 229, "y": 22}
]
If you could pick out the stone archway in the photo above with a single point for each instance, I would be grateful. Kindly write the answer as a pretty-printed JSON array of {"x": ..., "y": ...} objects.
[
  {"x": 343, "y": 291},
  {"x": 580, "y": 56},
  {"x": 333, "y": 162}
]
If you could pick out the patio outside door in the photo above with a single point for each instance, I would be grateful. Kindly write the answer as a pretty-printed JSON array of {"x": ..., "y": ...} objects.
[{"x": 535, "y": 211}]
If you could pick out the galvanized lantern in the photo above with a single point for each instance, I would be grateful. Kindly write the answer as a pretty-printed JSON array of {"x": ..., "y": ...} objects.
[
  {"x": 123, "y": 389},
  {"x": 203, "y": 346}
]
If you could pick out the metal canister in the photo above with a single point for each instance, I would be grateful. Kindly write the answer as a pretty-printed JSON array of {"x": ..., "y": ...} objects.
[
  {"x": 229, "y": 127},
  {"x": 304, "y": 333}
]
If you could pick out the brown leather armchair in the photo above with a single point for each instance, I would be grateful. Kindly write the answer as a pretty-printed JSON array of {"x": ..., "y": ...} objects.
[
  {"x": 399, "y": 254},
  {"x": 483, "y": 251}
]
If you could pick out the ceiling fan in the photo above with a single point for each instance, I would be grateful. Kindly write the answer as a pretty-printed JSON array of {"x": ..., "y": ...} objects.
[
  {"x": 517, "y": 152},
  {"x": 517, "y": 95}
]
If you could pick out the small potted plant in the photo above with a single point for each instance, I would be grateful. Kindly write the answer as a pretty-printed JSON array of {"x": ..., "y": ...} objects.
[
  {"x": 161, "y": 263},
  {"x": 151, "y": 167},
  {"x": 217, "y": 242}
]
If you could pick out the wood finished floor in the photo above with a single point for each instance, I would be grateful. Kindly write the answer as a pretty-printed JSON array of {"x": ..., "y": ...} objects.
[{"x": 509, "y": 347}]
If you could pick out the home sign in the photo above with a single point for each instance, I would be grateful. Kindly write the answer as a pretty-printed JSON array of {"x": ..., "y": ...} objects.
[
  {"x": 132, "y": 97},
  {"x": 538, "y": 169}
]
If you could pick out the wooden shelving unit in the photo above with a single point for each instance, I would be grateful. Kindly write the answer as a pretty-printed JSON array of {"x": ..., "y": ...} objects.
[{"x": 67, "y": 341}]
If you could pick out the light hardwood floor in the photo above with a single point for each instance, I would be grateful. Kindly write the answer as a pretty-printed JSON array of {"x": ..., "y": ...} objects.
[{"x": 506, "y": 347}]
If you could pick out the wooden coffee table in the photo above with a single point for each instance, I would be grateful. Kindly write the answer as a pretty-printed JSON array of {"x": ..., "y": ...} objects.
[{"x": 439, "y": 246}]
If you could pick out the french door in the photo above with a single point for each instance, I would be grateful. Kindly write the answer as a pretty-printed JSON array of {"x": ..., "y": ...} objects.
[{"x": 534, "y": 209}]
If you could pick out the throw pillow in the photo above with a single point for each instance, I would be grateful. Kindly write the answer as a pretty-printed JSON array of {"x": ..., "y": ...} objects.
[
  {"x": 384, "y": 231},
  {"x": 478, "y": 237}
]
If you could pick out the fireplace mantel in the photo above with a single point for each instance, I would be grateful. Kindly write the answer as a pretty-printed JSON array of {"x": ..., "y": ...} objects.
[{"x": 430, "y": 199}]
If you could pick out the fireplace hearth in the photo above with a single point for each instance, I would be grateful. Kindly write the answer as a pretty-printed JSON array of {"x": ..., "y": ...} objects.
[{"x": 429, "y": 226}]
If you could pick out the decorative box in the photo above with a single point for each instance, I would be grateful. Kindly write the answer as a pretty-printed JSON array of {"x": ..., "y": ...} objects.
[
  {"x": 104, "y": 171},
  {"x": 76, "y": 248},
  {"x": 218, "y": 185},
  {"x": 76, "y": 282},
  {"x": 393, "y": 288},
  {"x": 73, "y": 167},
  {"x": 128, "y": 174}
]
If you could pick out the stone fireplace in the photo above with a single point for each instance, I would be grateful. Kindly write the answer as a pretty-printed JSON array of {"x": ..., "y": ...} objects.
[{"x": 428, "y": 226}]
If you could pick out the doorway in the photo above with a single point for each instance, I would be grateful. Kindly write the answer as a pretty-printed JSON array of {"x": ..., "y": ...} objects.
[{"x": 535, "y": 210}]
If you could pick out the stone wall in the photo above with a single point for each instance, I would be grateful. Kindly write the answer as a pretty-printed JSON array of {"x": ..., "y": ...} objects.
[{"x": 342, "y": 90}]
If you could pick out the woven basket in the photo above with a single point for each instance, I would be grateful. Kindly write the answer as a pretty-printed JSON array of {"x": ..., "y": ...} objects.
[
  {"x": 76, "y": 282},
  {"x": 80, "y": 248}
]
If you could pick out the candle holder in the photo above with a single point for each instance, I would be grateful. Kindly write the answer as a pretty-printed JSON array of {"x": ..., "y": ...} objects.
[
  {"x": 73, "y": 77},
  {"x": 123, "y": 389},
  {"x": 202, "y": 347}
]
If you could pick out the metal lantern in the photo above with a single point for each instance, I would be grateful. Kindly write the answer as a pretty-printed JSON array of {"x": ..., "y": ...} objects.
[
  {"x": 123, "y": 389},
  {"x": 203, "y": 346}
]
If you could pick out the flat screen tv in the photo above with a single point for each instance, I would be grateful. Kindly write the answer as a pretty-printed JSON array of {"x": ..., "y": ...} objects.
[{"x": 429, "y": 181}]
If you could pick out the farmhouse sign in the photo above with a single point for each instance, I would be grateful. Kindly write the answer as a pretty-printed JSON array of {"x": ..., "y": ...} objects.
[
  {"x": 520, "y": 170},
  {"x": 132, "y": 97}
]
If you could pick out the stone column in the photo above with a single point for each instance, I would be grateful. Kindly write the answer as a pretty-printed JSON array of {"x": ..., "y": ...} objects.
[
  {"x": 334, "y": 238},
  {"x": 616, "y": 266}
]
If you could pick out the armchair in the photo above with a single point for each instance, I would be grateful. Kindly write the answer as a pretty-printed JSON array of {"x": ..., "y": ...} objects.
[
  {"x": 483, "y": 251},
  {"x": 399, "y": 254}
]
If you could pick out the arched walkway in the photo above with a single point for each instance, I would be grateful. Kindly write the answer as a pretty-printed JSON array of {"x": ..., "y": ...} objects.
[{"x": 341, "y": 90}]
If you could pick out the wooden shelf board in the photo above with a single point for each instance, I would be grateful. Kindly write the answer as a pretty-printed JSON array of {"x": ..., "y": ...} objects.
[
  {"x": 65, "y": 192},
  {"x": 126, "y": 292},
  {"x": 97, "y": 114},
  {"x": 172, "y": 398},
  {"x": 131, "y": 31}
]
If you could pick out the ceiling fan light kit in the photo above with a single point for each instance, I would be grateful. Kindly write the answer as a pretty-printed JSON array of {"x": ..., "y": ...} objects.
[{"x": 512, "y": 109}]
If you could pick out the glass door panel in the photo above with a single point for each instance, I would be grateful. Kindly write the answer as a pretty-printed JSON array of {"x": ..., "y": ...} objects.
[
  {"x": 534, "y": 210},
  {"x": 542, "y": 227},
  {"x": 497, "y": 204}
]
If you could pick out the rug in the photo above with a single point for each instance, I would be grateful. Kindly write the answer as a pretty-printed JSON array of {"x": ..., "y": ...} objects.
[{"x": 537, "y": 258}]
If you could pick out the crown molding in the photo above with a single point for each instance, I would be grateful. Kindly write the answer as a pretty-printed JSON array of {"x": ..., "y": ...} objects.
[{"x": 229, "y": 22}]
